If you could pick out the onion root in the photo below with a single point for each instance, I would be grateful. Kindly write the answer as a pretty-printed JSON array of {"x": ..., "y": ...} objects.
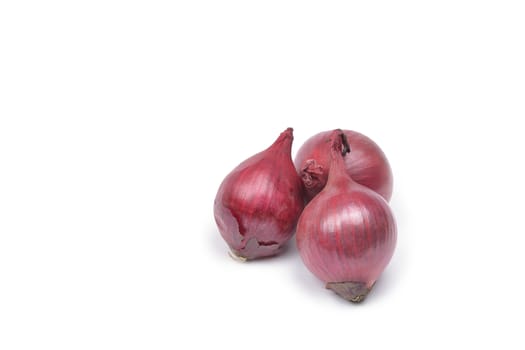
[{"x": 355, "y": 292}]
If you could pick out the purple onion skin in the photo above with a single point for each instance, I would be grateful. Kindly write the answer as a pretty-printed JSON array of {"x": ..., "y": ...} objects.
[
  {"x": 258, "y": 204},
  {"x": 347, "y": 234},
  {"x": 366, "y": 164}
]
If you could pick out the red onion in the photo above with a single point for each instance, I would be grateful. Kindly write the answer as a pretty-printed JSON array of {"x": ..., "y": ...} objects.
[
  {"x": 259, "y": 202},
  {"x": 347, "y": 234},
  {"x": 366, "y": 164}
]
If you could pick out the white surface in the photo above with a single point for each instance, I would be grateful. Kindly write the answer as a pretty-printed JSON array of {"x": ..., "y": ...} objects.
[{"x": 118, "y": 121}]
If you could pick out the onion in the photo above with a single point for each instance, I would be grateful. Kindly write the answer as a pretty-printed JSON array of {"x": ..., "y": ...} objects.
[
  {"x": 366, "y": 164},
  {"x": 347, "y": 234},
  {"x": 259, "y": 202}
]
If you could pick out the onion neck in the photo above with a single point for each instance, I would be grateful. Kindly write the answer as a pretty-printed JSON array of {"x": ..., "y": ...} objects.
[
  {"x": 338, "y": 149},
  {"x": 284, "y": 142}
]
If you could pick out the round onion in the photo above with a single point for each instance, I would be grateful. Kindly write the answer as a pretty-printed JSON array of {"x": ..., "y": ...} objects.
[
  {"x": 366, "y": 164},
  {"x": 347, "y": 234},
  {"x": 258, "y": 203}
]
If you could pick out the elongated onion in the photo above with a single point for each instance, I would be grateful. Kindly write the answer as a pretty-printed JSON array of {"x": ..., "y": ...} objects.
[{"x": 258, "y": 203}]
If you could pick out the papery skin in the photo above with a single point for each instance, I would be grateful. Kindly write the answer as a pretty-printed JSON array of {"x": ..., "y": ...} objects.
[
  {"x": 366, "y": 164},
  {"x": 258, "y": 204},
  {"x": 347, "y": 234},
  {"x": 354, "y": 238}
]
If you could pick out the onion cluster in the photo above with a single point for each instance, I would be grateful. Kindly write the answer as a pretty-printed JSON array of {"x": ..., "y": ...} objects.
[{"x": 346, "y": 234}]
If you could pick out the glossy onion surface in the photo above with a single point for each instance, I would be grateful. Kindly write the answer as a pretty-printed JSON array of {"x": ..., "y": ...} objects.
[
  {"x": 258, "y": 203},
  {"x": 347, "y": 234},
  {"x": 366, "y": 163}
]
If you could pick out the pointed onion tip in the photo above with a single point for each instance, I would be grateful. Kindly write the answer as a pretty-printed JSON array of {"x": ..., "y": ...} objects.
[
  {"x": 286, "y": 137},
  {"x": 288, "y": 131}
]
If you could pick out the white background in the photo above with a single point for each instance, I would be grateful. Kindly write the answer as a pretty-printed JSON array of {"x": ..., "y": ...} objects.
[{"x": 119, "y": 120}]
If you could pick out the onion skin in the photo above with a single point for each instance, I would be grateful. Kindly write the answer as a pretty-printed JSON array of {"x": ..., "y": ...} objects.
[
  {"x": 258, "y": 204},
  {"x": 347, "y": 234},
  {"x": 366, "y": 164}
]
